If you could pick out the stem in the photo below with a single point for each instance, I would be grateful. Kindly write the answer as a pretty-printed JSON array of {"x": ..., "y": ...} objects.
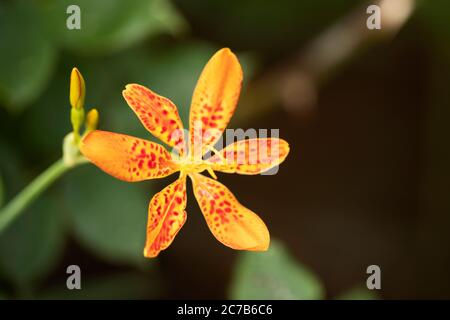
[{"x": 13, "y": 209}]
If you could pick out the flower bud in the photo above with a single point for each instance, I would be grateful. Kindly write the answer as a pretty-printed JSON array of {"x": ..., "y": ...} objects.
[
  {"x": 77, "y": 89},
  {"x": 91, "y": 120}
]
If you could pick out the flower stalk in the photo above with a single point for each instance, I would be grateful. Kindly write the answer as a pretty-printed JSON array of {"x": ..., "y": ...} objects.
[{"x": 17, "y": 205}]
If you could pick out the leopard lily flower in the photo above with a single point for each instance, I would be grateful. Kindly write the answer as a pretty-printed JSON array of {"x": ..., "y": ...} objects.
[{"x": 132, "y": 159}]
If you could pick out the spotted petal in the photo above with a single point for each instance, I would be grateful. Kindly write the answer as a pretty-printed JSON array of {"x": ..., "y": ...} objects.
[
  {"x": 230, "y": 222},
  {"x": 158, "y": 114},
  {"x": 166, "y": 216},
  {"x": 251, "y": 156},
  {"x": 214, "y": 100},
  {"x": 127, "y": 158}
]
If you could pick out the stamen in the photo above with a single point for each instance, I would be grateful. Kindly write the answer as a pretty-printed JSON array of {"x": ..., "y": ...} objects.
[{"x": 211, "y": 172}]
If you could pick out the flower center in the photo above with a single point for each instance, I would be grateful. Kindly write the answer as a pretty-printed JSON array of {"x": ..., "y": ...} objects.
[
  {"x": 192, "y": 166},
  {"x": 189, "y": 164}
]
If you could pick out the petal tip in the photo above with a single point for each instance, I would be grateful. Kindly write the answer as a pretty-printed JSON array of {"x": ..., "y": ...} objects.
[
  {"x": 287, "y": 146},
  {"x": 130, "y": 86},
  {"x": 264, "y": 245},
  {"x": 226, "y": 52},
  {"x": 150, "y": 255}
]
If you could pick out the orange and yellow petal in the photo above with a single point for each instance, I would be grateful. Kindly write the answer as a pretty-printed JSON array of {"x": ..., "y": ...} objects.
[
  {"x": 230, "y": 222},
  {"x": 251, "y": 156},
  {"x": 214, "y": 99},
  {"x": 166, "y": 216},
  {"x": 127, "y": 158},
  {"x": 158, "y": 114}
]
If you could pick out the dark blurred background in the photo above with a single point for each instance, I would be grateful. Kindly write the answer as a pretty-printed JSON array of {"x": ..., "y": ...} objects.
[{"x": 366, "y": 113}]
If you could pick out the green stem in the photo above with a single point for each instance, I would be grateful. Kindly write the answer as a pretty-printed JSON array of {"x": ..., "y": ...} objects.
[{"x": 13, "y": 209}]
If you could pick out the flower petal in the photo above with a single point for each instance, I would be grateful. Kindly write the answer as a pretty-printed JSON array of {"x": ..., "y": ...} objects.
[
  {"x": 214, "y": 99},
  {"x": 230, "y": 222},
  {"x": 158, "y": 114},
  {"x": 166, "y": 216},
  {"x": 127, "y": 158},
  {"x": 251, "y": 156}
]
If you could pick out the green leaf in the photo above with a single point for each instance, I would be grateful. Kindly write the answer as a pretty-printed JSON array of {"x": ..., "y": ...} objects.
[
  {"x": 109, "y": 287},
  {"x": 108, "y": 216},
  {"x": 1, "y": 191},
  {"x": 26, "y": 55},
  {"x": 31, "y": 246},
  {"x": 52, "y": 107},
  {"x": 358, "y": 293},
  {"x": 109, "y": 25},
  {"x": 273, "y": 275},
  {"x": 13, "y": 178},
  {"x": 435, "y": 15}
]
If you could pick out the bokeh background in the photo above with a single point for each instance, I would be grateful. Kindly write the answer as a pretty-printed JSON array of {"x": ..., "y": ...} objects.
[{"x": 366, "y": 113}]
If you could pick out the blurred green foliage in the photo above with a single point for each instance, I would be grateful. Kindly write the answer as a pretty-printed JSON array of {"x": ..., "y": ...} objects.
[
  {"x": 1, "y": 190},
  {"x": 28, "y": 51},
  {"x": 110, "y": 25},
  {"x": 27, "y": 55},
  {"x": 435, "y": 16},
  {"x": 12, "y": 170},
  {"x": 276, "y": 275},
  {"x": 32, "y": 245},
  {"x": 107, "y": 215},
  {"x": 273, "y": 275},
  {"x": 111, "y": 286},
  {"x": 358, "y": 293}
]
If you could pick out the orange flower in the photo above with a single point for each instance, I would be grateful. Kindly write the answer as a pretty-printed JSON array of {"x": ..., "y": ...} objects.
[{"x": 133, "y": 159}]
